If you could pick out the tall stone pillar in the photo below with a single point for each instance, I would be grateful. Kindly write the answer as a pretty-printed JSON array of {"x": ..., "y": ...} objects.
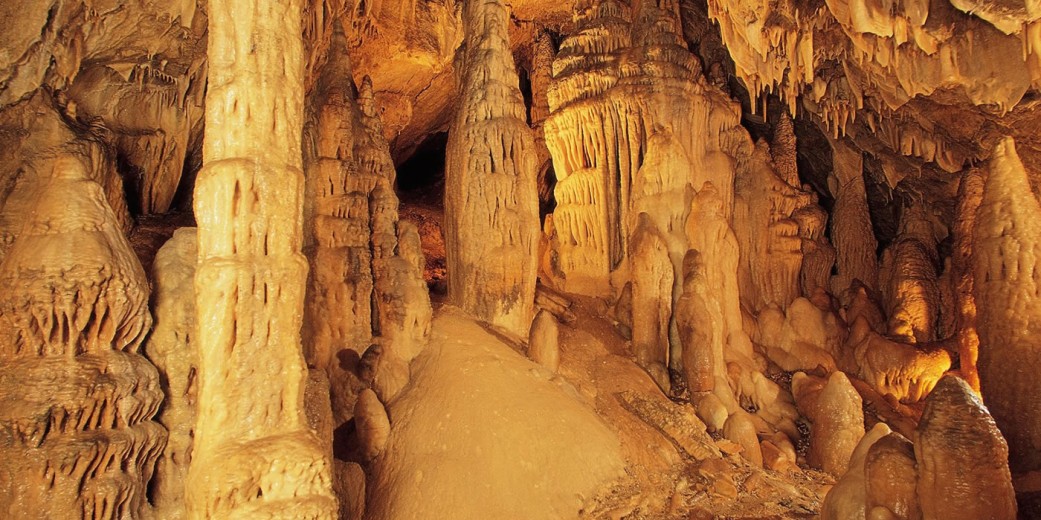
[
  {"x": 491, "y": 203},
  {"x": 254, "y": 455}
]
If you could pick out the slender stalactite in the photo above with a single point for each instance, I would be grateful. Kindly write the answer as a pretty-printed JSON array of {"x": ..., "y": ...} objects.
[{"x": 254, "y": 455}]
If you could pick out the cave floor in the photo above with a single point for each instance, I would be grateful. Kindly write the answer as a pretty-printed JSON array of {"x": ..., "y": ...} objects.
[{"x": 493, "y": 435}]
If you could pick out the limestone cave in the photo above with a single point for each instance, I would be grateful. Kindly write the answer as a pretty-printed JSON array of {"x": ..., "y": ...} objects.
[{"x": 520, "y": 260}]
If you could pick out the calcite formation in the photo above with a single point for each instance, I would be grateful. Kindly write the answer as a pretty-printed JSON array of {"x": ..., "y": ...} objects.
[
  {"x": 254, "y": 454},
  {"x": 962, "y": 457},
  {"x": 171, "y": 347},
  {"x": 1006, "y": 249},
  {"x": 793, "y": 226},
  {"x": 365, "y": 280},
  {"x": 491, "y": 203},
  {"x": 76, "y": 435}
]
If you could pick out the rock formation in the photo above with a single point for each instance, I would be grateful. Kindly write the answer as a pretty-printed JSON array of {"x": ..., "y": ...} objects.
[
  {"x": 172, "y": 349},
  {"x": 77, "y": 437},
  {"x": 254, "y": 453},
  {"x": 491, "y": 202},
  {"x": 962, "y": 457},
  {"x": 789, "y": 226},
  {"x": 1005, "y": 250}
]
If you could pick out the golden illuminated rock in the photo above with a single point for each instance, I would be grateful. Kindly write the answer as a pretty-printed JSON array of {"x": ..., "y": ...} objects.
[
  {"x": 962, "y": 458},
  {"x": 254, "y": 452},
  {"x": 491, "y": 200},
  {"x": 1005, "y": 251},
  {"x": 77, "y": 437}
]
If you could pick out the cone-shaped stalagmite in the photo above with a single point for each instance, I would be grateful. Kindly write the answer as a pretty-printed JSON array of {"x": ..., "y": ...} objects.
[
  {"x": 76, "y": 439},
  {"x": 254, "y": 454},
  {"x": 1007, "y": 281},
  {"x": 962, "y": 459},
  {"x": 491, "y": 203},
  {"x": 851, "y": 231}
]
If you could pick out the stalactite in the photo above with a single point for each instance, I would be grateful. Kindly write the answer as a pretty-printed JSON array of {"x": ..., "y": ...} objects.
[
  {"x": 254, "y": 452},
  {"x": 1005, "y": 252},
  {"x": 77, "y": 438},
  {"x": 491, "y": 200}
]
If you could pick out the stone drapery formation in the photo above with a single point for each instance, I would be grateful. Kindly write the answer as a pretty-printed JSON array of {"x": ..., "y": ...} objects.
[
  {"x": 254, "y": 454},
  {"x": 491, "y": 200},
  {"x": 76, "y": 435}
]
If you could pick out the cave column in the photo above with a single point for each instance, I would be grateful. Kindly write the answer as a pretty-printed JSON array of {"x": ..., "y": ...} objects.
[
  {"x": 491, "y": 202},
  {"x": 254, "y": 455},
  {"x": 851, "y": 230}
]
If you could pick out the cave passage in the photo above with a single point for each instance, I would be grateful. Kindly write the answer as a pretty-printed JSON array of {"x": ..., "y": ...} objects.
[{"x": 421, "y": 190}]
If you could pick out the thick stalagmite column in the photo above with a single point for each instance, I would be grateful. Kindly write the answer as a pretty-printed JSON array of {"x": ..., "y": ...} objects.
[
  {"x": 1006, "y": 252},
  {"x": 491, "y": 204},
  {"x": 851, "y": 231},
  {"x": 254, "y": 456}
]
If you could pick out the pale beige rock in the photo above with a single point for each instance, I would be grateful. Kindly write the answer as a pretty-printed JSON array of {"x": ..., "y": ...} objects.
[
  {"x": 544, "y": 341},
  {"x": 740, "y": 429},
  {"x": 254, "y": 454},
  {"x": 838, "y": 425},
  {"x": 372, "y": 423},
  {"x": 653, "y": 279},
  {"x": 78, "y": 398},
  {"x": 847, "y": 499},
  {"x": 890, "y": 477},
  {"x": 491, "y": 201},
  {"x": 963, "y": 468},
  {"x": 171, "y": 348},
  {"x": 1005, "y": 252}
]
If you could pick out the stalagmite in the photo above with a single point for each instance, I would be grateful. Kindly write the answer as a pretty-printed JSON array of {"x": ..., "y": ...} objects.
[
  {"x": 491, "y": 204},
  {"x": 652, "y": 299},
  {"x": 963, "y": 461},
  {"x": 890, "y": 475},
  {"x": 851, "y": 231},
  {"x": 771, "y": 247},
  {"x": 1006, "y": 250},
  {"x": 373, "y": 425},
  {"x": 838, "y": 423},
  {"x": 848, "y": 498},
  {"x": 77, "y": 440},
  {"x": 544, "y": 341},
  {"x": 908, "y": 279},
  {"x": 254, "y": 453},
  {"x": 694, "y": 321},
  {"x": 172, "y": 349},
  {"x": 740, "y": 429},
  {"x": 818, "y": 256},
  {"x": 970, "y": 194}
]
